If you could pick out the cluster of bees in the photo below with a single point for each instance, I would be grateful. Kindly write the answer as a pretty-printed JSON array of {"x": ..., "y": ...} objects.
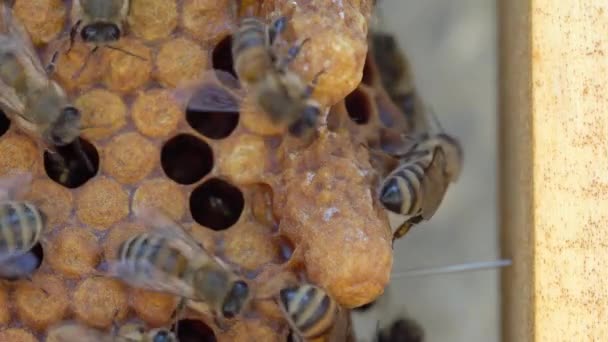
[{"x": 165, "y": 258}]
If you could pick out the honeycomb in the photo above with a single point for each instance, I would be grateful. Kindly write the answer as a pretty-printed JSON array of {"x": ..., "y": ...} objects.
[{"x": 287, "y": 211}]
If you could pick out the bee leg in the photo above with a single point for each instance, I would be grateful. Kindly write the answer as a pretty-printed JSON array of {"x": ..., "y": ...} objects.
[
  {"x": 292, "y": 53},
  {"x": 73, "y": 32},
  {"x": 86, "y": 61},
  {"x": 403, "y": 229},
  {"x": 50, "y": 68},
  {"x": 181, "y": 305},
  {"x": 313, "y": 84}
]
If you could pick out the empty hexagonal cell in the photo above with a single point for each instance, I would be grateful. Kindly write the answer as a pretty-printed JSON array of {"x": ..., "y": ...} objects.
[
  {"x": 216, "y": 204},
  {"x": 221, "y": 57},
  {"x": 358, "y": 106},
  {"x": 213, "y": 111},
  {"x": 190, "y": 330},
  {"x": 5, "y": 123},
  {"x": 186, "y": 159},
  {"x": 72, "y": 165}
]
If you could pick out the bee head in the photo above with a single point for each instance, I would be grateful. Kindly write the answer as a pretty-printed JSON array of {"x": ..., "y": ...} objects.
[
  {"x": 306, "y": 122},
  {"x": 100, "y": 32},
  {"x": 66, "y": 129},
  {"x": 236, "y": 299}
]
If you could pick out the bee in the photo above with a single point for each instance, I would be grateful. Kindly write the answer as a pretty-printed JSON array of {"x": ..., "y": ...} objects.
[
  {"x": 131, "y": 332},
  {"x": 38, "y": 105},
  {"x": 309, "y": 310},
  {"x": 416, "y": 187},
  {"x": 21, "y": 225},
  {"x": 97, "y": 22},
  {"x": 168, "y": 260},
  {"x": 279, "y": 92}
]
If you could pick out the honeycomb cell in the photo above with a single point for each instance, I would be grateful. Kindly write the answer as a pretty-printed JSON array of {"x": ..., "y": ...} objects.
[
  {"x": 101, "y": 203},
  {"x": 53, "y": 200},
  {"x": 251, "y": 330},
  {"x": 72, "y": 70},
  {"x": 125, "y": 72},
  {"x": 17, "y": 335},
  {"x": 358, "y": 106},
  {"x": 5, "y": 123},
  {"x": 73, "y": 164},
  {"x": 119, "y": 234},
  {"x": 190, "y": 330},
  {"x": 156, "y": 113},
  {"x": 261, "y": 196},
  {"x": 103, "y": 113},
  {"x": 154, "y": 308},
  {"x": 43, "y": 19},
  {"x": 215, "y": 121},
  {"x": 186, "y": 159},
  {"x": 331, "y": 48},
  {"x": 162, "y": 194},
  {"x": 244, "y": 159},
  {"x": 145, "y": 21},
  {"x": 74, "y": 252},
  {"x": 42, "y": 302},
  {"x": 207, "y": 20},
  {"x": 17, "y": 153},
  {"x": 5, "y": 309},
  {"x": 216, "y": 204},
  {"x": 179, "y": 61},
  {"x": 99, "y": 301},
  {"x": 248, "y": 246},
  {"x": 129, "y": 158},
  {"x": 221, "y": 56}
]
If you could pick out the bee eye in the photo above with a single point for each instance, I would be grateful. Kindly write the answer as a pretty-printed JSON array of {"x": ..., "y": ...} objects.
[
  {"x": 88, "y": 33},
  {"x": 71, "y": 113},
  {"x": 161, "y": 336}
]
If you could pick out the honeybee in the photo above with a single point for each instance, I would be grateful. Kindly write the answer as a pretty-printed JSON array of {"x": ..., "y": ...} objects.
[
  {"x": 21, "y": 225},
  {"x": 38, "y": 105},
  {"x": 309, "y": 310},
  {"x": 168, "y": 260},
  {"x": 279, "y": 92},
  {"x": 131, "y": 332},
  {"x": 97, "y": 22},
  {"x": 416, "y": 187}
]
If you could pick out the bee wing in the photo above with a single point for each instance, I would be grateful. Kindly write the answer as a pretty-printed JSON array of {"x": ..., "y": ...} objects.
[
  {"x": 434, "y": 185},
  {"x": 148, "y": 277},
  {"x": 214, "y": 91},
  {"x": 69, "y": 332},
  {"x": 159, "y": 223},
  {"x": 15, "y": 186}
]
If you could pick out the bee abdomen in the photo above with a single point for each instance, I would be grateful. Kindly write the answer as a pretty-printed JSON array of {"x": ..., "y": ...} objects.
[
  {"x": 251, "y": 33},
  {"x": 311, "y": 311},
  {"x": 400, "y": 192},
  {"x": 146, "y": 249},
  {"x": 20, "y": 226}
]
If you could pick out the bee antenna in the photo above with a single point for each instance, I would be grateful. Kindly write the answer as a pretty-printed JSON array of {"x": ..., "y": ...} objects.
[
  {"x": 116, "y": 48},
  {"x": 86, "y": 61},
  {"x": 473, "y": 266}
]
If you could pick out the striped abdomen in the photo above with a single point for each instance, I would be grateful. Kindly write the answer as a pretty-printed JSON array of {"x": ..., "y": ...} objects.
[
  {"x": 250, "y": 50},
  {"x": 145, "y": 250},
  {"x": 310, "y": 311},
  {"x": 401, "y": 191},
  {"x": 21, "y": 224}
]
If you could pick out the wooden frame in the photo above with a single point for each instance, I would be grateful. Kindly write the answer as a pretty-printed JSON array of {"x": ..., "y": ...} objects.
[{"x": 554, "y": 172}]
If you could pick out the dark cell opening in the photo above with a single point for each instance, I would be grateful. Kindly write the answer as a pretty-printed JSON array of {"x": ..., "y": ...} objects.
[
  {"x": 221, "y": 57},
  {"x": 213, "y": 112},
  {"x": 216, "y": 204},
  {"x": 190, "y": 330},
  {"x": 5, "y": 123},
  {"x": 186, "y": 159},
  {"x": 368, "y": 77},
  {"x": 24, "y": 265},
  {"x": 73, "y": 164},
  {"x": 358, "y": 106},
  {"x": 365, "y": 307}
]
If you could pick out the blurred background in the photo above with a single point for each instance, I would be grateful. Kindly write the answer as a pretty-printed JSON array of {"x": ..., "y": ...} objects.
[{"x": 452, "y": 48}]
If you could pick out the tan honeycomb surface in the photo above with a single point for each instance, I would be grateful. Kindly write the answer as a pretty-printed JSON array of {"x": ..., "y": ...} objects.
[{"x": 308, "y": 211}]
